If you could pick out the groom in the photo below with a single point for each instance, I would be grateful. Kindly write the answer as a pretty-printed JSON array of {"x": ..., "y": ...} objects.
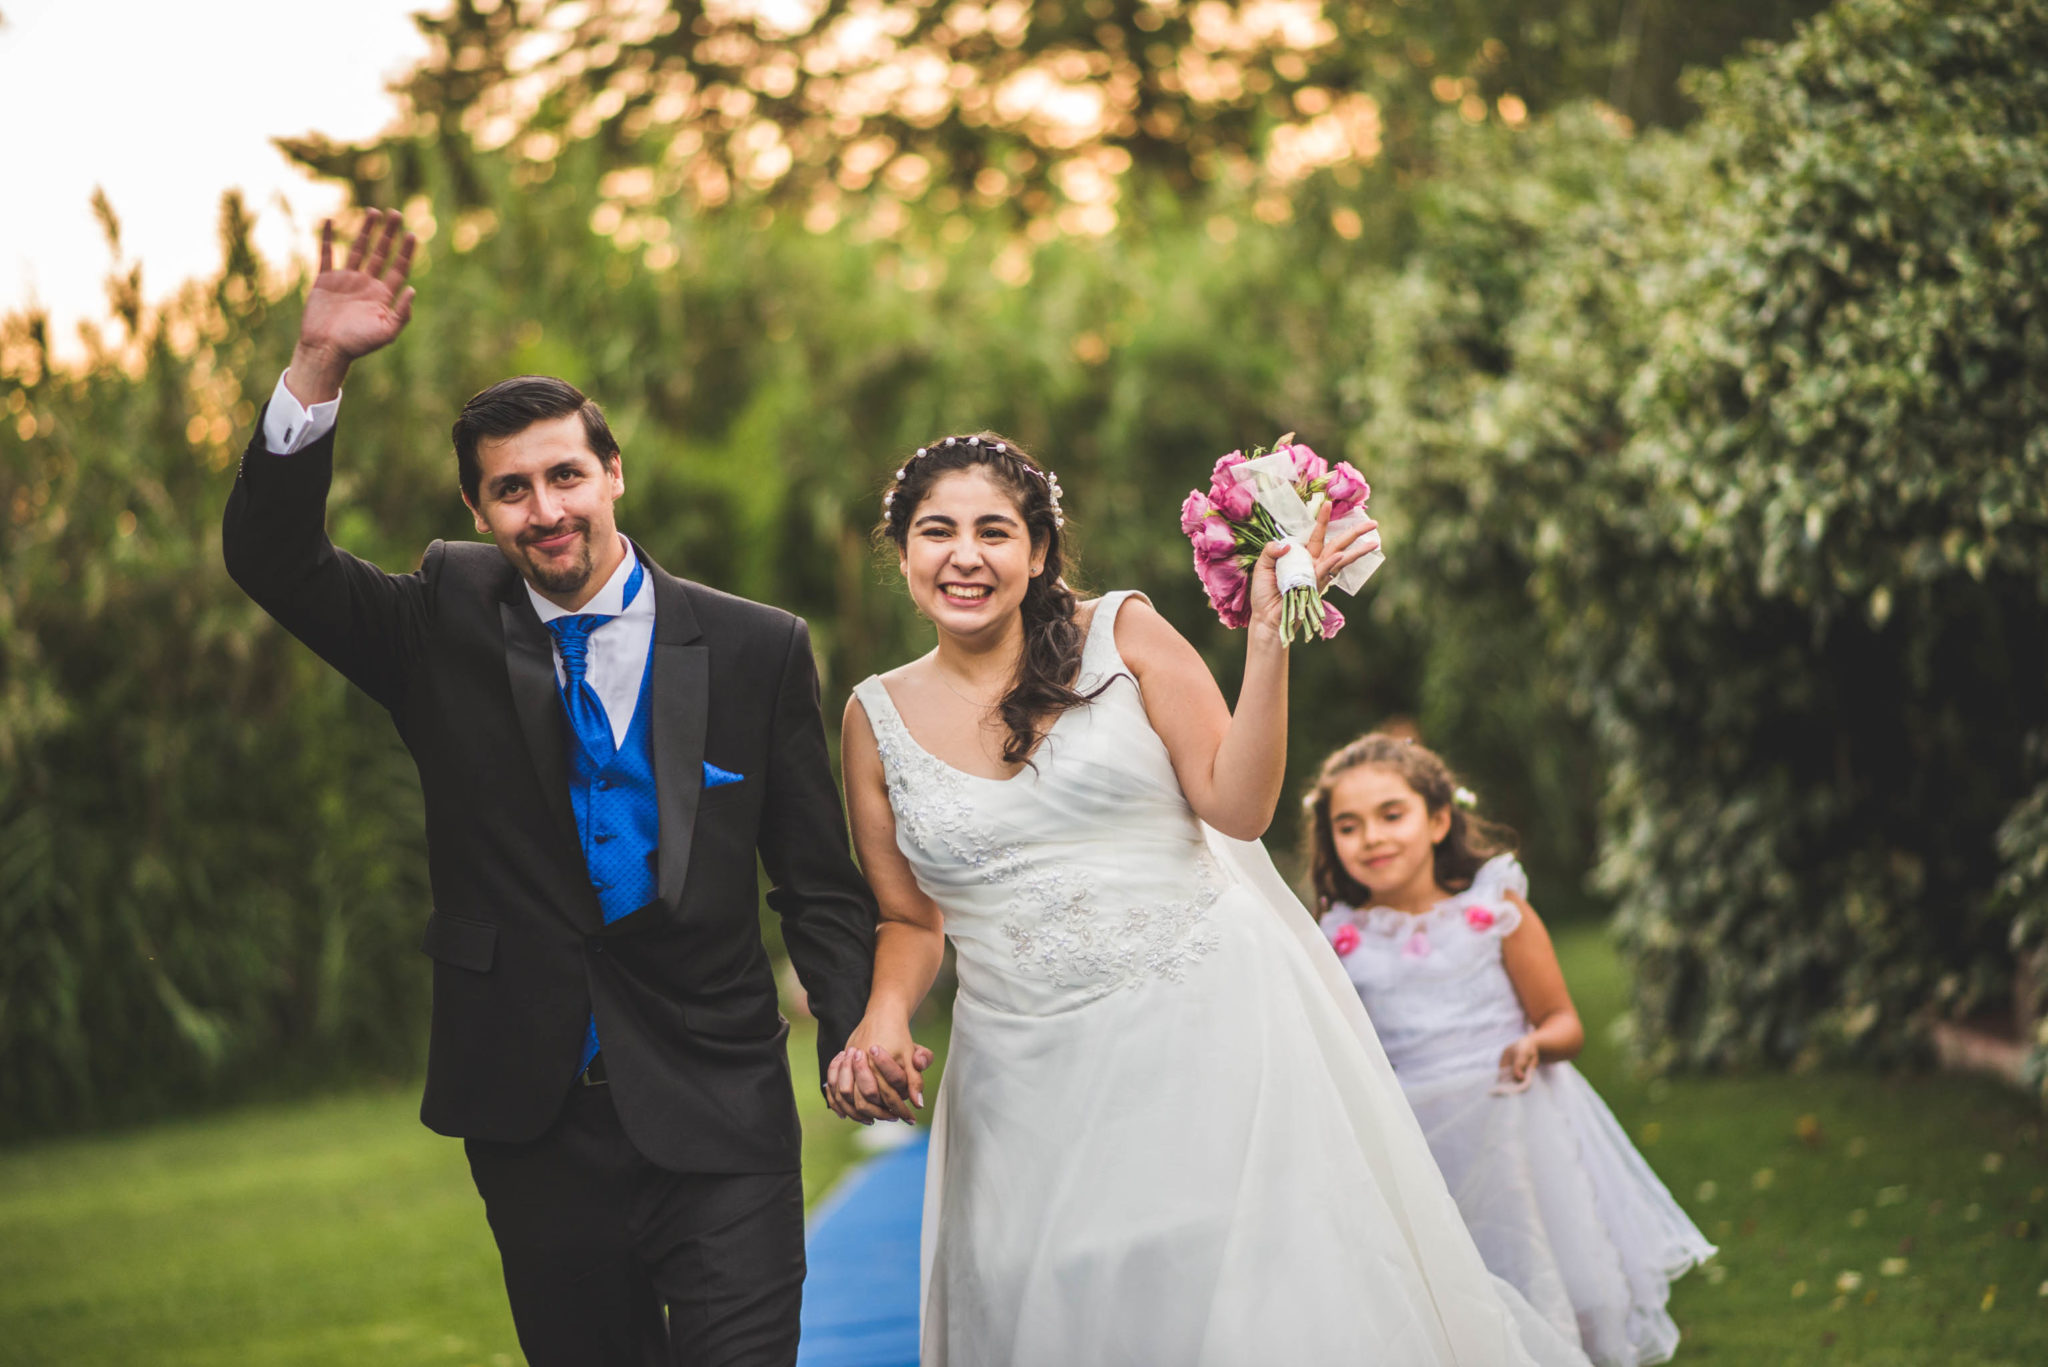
[{"x": 603, "y": 750}]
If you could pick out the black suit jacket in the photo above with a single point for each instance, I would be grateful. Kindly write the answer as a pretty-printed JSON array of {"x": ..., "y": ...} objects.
[{"x": 683, "y": 989}]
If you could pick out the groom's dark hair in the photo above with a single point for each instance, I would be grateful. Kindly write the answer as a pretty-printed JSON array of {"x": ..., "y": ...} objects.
[{"x": 511, "y": 406}]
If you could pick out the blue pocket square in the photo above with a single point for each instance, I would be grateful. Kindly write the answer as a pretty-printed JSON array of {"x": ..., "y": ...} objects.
[{"x": 715, "y": 777}]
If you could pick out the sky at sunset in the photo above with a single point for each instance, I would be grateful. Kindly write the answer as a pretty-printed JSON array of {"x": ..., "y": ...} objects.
[{"x": 166, "y": 106}]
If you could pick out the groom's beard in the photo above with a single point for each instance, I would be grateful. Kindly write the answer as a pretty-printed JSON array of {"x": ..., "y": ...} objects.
[{"x": 560, "y": 577}]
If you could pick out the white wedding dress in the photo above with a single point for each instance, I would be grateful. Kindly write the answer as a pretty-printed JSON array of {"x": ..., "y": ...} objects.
[{"x": 1166, "y": 1135}]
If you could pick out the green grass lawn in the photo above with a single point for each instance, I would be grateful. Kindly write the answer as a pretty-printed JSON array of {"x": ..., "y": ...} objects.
[
  {"x": 1882, "y": 1222},
  {"x": 327, "y": 1232},
  {"x": 340, "y": 1232}
]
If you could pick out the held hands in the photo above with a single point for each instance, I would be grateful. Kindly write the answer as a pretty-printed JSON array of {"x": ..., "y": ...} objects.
[
  {"x": 352, "y": 311},
  {"x": 880, "y": 1073},
  {"x": 1352, "y": 544}
]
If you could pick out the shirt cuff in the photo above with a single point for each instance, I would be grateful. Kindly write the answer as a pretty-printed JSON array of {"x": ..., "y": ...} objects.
[{"x": 289, "y": 427}]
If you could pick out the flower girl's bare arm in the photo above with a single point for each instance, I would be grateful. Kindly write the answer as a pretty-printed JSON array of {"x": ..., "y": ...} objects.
[{"x": 1531, "y": 961}]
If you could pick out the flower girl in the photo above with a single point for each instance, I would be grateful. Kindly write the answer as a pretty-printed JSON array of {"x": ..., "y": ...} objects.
[{"x": 1430, "y": 919}]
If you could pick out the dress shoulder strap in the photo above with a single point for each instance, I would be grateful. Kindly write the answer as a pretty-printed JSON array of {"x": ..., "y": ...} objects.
[
  {"x": 1099, "y": 655},
  {"x": 881, "y": 708}
]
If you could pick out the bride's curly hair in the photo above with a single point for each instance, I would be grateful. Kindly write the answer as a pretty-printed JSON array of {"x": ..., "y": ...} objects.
[
  {"x": 1051, "y": 662},
  {"x": 1470, "y": 842}
]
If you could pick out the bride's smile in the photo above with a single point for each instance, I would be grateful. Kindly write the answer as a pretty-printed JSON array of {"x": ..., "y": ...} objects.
[{"x": 969, "y": 556}]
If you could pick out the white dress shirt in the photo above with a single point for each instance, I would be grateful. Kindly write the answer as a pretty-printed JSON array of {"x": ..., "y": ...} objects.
[
  {"x": 617, "y": 657},
  {"x": 289, "y": 427}
]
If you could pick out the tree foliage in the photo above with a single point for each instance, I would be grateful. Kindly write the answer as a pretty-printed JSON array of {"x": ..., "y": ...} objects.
[
  {"x": 1048, "y": 110},
  {"x": 1710, "y": 460}
]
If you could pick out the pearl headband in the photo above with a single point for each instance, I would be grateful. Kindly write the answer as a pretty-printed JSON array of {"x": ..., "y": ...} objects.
[{"x": 1050, "y": 480}]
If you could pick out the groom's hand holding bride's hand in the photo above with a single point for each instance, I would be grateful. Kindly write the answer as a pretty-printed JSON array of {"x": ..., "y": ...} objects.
[{"x": 879, "y": 1075}]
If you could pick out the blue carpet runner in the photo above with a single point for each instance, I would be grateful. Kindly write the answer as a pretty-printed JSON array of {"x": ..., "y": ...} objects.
[{"x": 860, "y": 1297}]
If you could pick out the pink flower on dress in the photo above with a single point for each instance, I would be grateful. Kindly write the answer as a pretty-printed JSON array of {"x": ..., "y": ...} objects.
[
  {"x": 1417, "y": 947},
  {"x": 1345, "y": 940},
  {"x": 1479, "y": 918}
]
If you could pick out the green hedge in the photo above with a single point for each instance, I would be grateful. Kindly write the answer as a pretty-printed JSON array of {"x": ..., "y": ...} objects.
[{"x": 1751, "y": 420}]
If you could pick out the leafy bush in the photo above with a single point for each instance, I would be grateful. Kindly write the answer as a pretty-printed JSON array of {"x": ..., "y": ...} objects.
[
  {"x": 2022, "y": 899},
  {"x": 1751, "y": 418}
]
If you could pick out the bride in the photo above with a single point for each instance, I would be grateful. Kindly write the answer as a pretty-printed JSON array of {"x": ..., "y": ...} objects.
[{"x": 1166, "y": 1134}]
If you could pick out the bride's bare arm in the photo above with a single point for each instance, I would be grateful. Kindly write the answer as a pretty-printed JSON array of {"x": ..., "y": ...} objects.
[
  {"x": 1230, "y": 766},
  {"x": 909, "y": 945}
]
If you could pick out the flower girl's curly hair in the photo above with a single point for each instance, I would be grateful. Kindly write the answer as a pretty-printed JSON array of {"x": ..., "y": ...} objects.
[
  {"x": 1470, "y": 842},
  {"x": 1044, "y": 686}
]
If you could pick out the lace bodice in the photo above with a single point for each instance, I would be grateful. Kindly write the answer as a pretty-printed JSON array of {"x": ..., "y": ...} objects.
[
  {"x": 1082, "y": 874},
  {"x": 1434, "y": 985}
]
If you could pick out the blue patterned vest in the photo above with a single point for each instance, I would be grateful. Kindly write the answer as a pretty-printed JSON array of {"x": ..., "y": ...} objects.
[{"x": 619, "y": 822}]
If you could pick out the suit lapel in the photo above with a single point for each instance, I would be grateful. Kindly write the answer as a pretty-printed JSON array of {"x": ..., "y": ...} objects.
[
  {"x": 681, "y": 697},
  {"x": 530, "y": 667}
]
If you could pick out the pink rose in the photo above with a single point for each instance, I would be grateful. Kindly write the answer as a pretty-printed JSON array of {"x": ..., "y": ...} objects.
[
  {"x": 1193, "y": 511},
  {"x": 1229, "y": 495},
  {"x": 1213, "y": 539},
  {"x": 1237, "y": 613},
  {"x": 1333, "y": 620},
  {"x": 1308, "y": 466},
  {"x": 1347, "y": 489},
  {"x": 1417, "y": 946},
  {"x": 1345, "y": 940},
  {"x": 1229, "y": 589},
  {"x": 1479, "y": 918}
]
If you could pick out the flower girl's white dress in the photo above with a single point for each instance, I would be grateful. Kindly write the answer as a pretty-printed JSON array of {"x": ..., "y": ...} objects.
[
  {"x": 1166, "y": 1136},
  {"x": 1558, "y": 1200}
]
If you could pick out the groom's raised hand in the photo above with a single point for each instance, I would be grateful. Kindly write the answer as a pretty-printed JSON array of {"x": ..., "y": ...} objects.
[{"x": 353, "y": 310}]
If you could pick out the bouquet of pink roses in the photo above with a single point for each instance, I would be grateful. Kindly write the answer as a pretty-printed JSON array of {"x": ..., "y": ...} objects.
[{"x": 1274, "y": 496}]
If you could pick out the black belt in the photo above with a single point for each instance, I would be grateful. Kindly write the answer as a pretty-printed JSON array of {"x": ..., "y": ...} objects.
[{"x": 594, "y": 1075}]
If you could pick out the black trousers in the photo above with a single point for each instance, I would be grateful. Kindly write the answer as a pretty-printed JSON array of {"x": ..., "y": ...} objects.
[{"x": 596, "y": 1241}]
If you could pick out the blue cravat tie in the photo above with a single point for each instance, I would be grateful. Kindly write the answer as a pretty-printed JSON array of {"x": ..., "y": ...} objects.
[{"x": 586, "y": 710}]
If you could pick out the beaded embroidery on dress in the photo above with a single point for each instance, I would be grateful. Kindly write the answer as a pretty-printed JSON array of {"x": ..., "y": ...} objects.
[{"x": 1164, "y": 1133}]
